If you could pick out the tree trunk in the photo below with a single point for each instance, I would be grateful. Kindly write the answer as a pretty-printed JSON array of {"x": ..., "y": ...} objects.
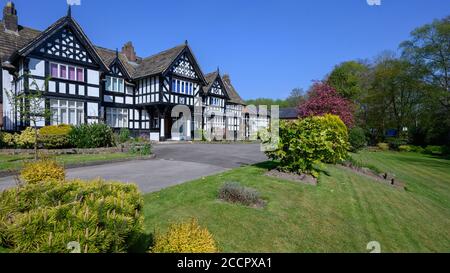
[{"x": 35, "y": 141}]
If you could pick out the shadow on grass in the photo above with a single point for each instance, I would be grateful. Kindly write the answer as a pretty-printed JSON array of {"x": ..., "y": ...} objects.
[
  {"x": 267, "y": 165},
  {"x": 141, "y": 243},
  {"x": 271, "y": 165}
]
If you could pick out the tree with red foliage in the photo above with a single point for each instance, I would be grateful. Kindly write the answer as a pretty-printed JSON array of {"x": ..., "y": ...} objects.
[{"x": 324, "y": 99}]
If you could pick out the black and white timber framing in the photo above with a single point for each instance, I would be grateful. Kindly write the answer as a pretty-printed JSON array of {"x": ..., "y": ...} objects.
[{"x": 84, "y": 83}]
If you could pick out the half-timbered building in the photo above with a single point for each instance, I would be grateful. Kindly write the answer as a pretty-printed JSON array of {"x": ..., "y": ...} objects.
[{"x": 84, "y": 83}]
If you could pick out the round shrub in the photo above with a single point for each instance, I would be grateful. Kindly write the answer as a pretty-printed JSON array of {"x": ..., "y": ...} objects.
[
  {"x": 92, "y": 136},
  {"x": 357, "y": 139},
  {"x": 383, "y": 146},
  {"x": 25, "y": 140},
  {"x": 55, "y": 137},
  {"x": 42, "y": 171},
  {"x": 101, "y": 217},
  {"x": 404, "y": 148},
  {"x": 304, "y": 143},
  {"x": 186, "y": 237},
  {"x": 8, "y": 140}
]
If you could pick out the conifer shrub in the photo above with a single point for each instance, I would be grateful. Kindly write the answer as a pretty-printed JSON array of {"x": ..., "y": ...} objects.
[
  {"x": 185, "y": 237},
  {"x": 42, "y": 171},
  {"x": 100, "y": 217},
  {"x": 309, "y": 141},
  {"x": 55, "y": 137}
]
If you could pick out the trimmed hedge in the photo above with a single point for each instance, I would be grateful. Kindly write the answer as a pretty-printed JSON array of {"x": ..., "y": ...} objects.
[
  {"x": 92, "y": 136},
  {"x": 55, "y": 137}
]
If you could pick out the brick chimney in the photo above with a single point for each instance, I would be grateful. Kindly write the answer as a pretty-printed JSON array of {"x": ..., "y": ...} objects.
[
  {"x": 10, "y": 18},
  {"x": 129, "y": 52}
]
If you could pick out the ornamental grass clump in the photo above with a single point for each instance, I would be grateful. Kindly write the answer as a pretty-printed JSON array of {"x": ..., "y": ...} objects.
[
  {"x": 100, "y": 217},
  {"x": 235, "y": 193},
  {"x": 185, "y": 237},
  {"x": 42, "y": 171}
]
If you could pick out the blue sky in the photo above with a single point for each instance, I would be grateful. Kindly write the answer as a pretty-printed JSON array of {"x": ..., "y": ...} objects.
[{"x": 268, "y": 47}]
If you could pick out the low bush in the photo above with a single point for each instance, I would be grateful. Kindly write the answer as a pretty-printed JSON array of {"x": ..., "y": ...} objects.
[
  {"x": 55, "y": 137},
  {"x": 416, "y": 149},
  {"x": 434, "y": 150},
  {"x": 25, "y": 140},
  {"x": 235, "y": 193},
  {"x": 141, "y": 149},
  {"x": 8, "y": 140},
  {"x": 42, "y": 171},
  {"x": 92, "y": 136},
  {"x": 304, "y": 143},
  {"x": 404, "y": 148},
  {"x": 395, "y": 143},
  {"x": 124, "y": 135},
  {"x": 357, "y": 139},
  {"x": 186, "y": 237},
  {"x": 101, "y": 217},
  {"x": 383, "y": 146}
]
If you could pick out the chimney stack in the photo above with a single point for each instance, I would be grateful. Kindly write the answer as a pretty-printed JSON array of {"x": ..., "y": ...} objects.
[
  {"x": 10, "y": 18},
  {"x": 129, "y": 52}
]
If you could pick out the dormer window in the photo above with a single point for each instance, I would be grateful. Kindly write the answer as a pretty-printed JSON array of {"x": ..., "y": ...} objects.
[
  {"x": 66, "y": 72},
  {"x": 115, "y": 84}
]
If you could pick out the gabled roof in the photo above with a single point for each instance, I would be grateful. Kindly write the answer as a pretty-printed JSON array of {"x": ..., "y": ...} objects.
[
  {"x": 211, "y": 79},
  {"x": 231, "y": 91},
  {"x": 10, "y": 41},
  {"x": 160, "y": 63},
  {"x": 110, "y": 57},
  {"x": 62, "y": 22}
]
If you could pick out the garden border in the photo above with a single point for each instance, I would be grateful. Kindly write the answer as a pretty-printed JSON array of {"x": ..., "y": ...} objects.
[{"x": 7, "y": 173}]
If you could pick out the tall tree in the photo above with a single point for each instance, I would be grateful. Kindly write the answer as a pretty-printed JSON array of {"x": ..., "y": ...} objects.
[
  {"x": 31, "y": 108},
  {"x": 429, "y": 49},
  {"x": 296, "y": 97},
  {"x": 395, "y": 96},
  {"x": 349, "y": 79}
]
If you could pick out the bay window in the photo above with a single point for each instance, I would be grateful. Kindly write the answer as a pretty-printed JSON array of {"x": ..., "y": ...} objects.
[
  {"x": 115, "y": 84},
  {"x": 66, "y": 72},
  {"x": 117, "y": 117},
  {"x": 66, "y": 112}
]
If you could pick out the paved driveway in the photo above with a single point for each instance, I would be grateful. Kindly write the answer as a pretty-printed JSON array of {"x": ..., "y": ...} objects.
[{"x": 174, "y": 164}]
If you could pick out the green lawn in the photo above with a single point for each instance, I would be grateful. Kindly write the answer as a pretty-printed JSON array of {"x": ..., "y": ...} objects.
[
  {"x": 15, "y": 162},
  {"x": 342, "y": 214}
]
